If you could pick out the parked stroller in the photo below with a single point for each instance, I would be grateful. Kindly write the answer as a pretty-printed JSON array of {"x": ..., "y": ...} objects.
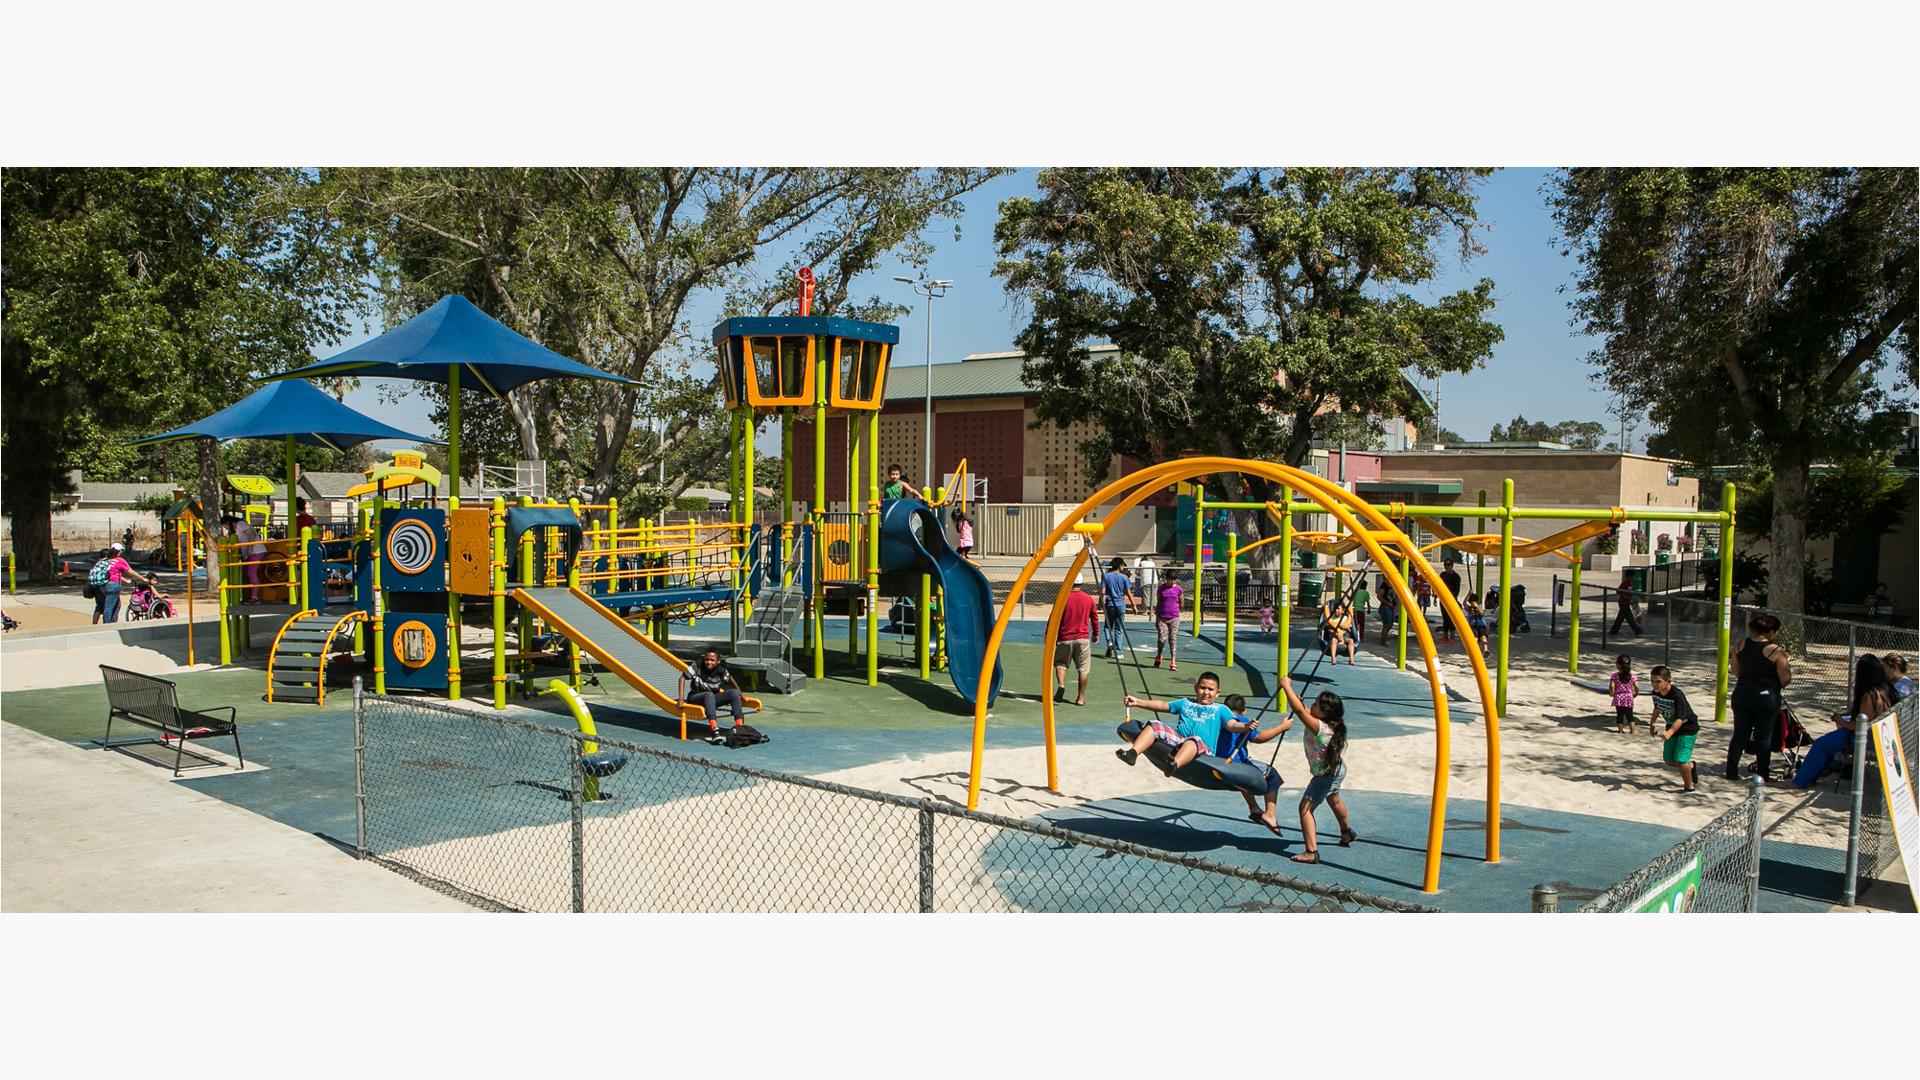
[{"x": 149, "y": 603}]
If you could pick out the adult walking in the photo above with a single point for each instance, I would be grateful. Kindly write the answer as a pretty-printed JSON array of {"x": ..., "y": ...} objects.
[
  {"x": 1760, "y": 671},
  {"x": 1115, "y": 588},
  {"x": 1146, "y": 580},
  {"x": 1078, "y": 624},
  {"x": 710, "y": 683},
  {"x": 1623, "y": 595},
  {"x": 1450, "y": 581},
  {"x": 106, "y": 597}
]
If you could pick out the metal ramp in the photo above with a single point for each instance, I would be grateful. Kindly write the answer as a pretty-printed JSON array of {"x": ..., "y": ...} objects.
[
  {"x": 635, "y": 658},
  {"x": 766, "y": 641},
  {"x": 297, "y": 664}
]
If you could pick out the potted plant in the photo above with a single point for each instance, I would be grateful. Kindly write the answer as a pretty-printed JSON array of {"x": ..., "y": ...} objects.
[{"x": 1662, "y": 546}]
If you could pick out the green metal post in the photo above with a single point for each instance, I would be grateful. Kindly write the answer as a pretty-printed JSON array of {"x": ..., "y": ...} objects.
[
  {"x": 1199, "y": 533},
  {"x": 14, "y": 586},
  {"x": 1233, "y": 560},
  {"x": 453, "y": 620},
  {"x": 359, "y": 628},
  {"x": 453, "y": 430},
  {"x": 1573, "y": 624},
  {"x": 854, "y": 435},
  {"x": 573, "y": 582},
  {"x": 786, "y": 495},
  {"x": 819, "y": 513},
  {"x": 1506, "y": 595},
  {"x": 1405, "y": 616},
  {"x": 226, "y": 617},
  {"x": 1726, "y": 603},
  {"x": 498, "y": 527},
  {"x": 747, "y": 427},
  {"x": 1286, "y": 583},
  {"x": 379, "y": 650},
  {"x": 291, "y": 530},
  {"x": 923, "y": 626},
  {"x": 873, "y": 546}
]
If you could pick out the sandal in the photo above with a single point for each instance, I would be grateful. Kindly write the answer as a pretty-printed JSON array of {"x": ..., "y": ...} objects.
[
  {"x": 1079, "y": 703},
  {"x": 1347, "y": 837},
  {"x": 1307, "y": 857}
]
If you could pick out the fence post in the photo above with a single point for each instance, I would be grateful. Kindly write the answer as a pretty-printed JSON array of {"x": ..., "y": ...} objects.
[
  {"x": 1854, "y": 813},
  {"x": 1852, "y": 644},
  {"x": 926, "y": 858},
  {"x": 579, "y": 831},
  {"x": 359, "y": 773},
  {"x": 1546, "y": 898},
  {"x": 1757, "y": 791}
]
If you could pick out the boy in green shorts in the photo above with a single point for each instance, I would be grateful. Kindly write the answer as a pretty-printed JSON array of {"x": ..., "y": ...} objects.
[{"x": 1674, "y": 721}]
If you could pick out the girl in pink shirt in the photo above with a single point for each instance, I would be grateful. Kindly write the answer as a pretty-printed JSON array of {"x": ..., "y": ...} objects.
[{"x": 1624, "y": 686}]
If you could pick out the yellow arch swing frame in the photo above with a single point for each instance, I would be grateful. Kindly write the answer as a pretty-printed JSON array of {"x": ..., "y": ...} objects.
[{"x": 1376, "y": 535}]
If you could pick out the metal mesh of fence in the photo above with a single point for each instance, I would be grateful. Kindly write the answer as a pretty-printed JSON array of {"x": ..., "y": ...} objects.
[
  {"x": 1728, "y": 847},
  {"x": 511, "y": 815},
  {"x": 1878, "y": 851}
]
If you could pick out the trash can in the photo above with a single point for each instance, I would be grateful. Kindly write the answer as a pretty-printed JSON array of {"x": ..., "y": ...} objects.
[{"x": 1312, "y": 582}]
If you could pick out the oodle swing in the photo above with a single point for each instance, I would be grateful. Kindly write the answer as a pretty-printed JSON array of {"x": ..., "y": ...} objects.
[{"x": 1236, "y": 771}]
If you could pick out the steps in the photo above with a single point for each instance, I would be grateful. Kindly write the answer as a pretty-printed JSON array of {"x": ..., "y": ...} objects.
[
  {"x": 766, "y": 641},
  {"x": 297, "y": 666}
]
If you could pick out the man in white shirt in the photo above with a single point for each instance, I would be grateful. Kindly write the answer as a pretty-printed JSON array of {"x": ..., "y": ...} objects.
[{"x": 1146, "y": 577}]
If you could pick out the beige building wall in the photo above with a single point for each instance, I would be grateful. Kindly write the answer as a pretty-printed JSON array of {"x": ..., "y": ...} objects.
[{"x": 1052, "y": 463}]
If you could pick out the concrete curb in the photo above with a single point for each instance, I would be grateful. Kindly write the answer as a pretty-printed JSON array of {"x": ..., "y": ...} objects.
[{"x": 64, "y": 637}]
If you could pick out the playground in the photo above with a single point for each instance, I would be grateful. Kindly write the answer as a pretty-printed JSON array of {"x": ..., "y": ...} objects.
[{"x": 1475, "y": 778}]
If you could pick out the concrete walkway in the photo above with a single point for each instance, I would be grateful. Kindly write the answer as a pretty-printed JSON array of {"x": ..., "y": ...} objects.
[{"x": 86, "y": 830}]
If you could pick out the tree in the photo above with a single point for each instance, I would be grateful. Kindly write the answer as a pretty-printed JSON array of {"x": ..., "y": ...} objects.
[
  {"x": 139, "y": 299},
  {"x": 1754, "y": 310},
  {"x": 1520, "y": 429},
  {"x": 600, "y": 264},
  {"x": 1245, "y": 303}
]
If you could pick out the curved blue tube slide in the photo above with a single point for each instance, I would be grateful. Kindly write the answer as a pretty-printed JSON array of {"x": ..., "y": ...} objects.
[{"x": 911, "y": 540}]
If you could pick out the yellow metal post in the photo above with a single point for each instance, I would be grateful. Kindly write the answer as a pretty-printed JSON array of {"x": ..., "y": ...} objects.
[
  {"x": 923, "y": 626},
  {"x": 786, "y": 495},
  {"x": 1506, "y": 596},
  {"x": 529, "y": 578},
  {"x": 1573, "y": 624}
]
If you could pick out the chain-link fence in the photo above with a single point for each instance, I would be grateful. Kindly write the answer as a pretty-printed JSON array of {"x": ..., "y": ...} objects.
[
  {"x": 1870, "y": 832},
  {"x": 1682, "y": 632},
  {"x": 509, "y": 815},
  {"x": 1728, "y": 848}
]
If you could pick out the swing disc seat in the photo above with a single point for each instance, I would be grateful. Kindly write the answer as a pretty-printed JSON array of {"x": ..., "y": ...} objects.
[
  {"x": 602, "y": 764},
  {"x": 1207, "y": 770}
]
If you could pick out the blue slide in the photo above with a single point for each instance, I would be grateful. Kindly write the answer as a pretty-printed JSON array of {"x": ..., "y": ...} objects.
[{"x": 911, "y": 540}]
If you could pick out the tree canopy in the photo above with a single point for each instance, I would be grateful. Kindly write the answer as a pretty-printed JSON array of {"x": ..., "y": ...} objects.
[
  {"x": 138, "y": 299},
  {"x": 1245, "y": 303},
  {"x": 1752, "y": 313},
  {"x": 600, "y": 264},
  {"x": 1578, "y": 434}
]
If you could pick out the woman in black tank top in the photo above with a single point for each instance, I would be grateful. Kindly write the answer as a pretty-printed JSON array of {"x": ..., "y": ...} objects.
[{"x": 1760, "y": 672}]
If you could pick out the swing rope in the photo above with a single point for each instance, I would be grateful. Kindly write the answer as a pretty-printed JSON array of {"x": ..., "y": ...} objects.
[{"x": 1346, "y": 600}]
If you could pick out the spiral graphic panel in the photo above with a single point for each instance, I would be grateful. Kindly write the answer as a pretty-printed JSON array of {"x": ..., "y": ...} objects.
[{"x": 413, "y": 549}]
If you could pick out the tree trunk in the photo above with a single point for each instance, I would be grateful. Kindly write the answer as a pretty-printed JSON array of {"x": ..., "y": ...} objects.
[
  {"x": 209, "y": 457},
  {"x": 32, "y": 534},
  {"x": 1786, "y": 584}
]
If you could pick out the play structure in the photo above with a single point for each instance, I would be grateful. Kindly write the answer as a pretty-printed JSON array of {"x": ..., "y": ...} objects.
[
  {"x": 795, "y": 366},
  {"x": 553, "y": 581},
  {"x": 1363, "y": 526},
  {"x": 1588, "y": 524}
]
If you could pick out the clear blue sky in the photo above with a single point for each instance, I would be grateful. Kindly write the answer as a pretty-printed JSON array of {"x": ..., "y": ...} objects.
[{"x": 1539, "y": 371}]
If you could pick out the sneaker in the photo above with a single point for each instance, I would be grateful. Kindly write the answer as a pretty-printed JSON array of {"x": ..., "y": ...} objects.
[
  {"x": 1127, "y": 754},
  {"x": 1156, "y": 661},
  {"x": 1173, "y": 667}
]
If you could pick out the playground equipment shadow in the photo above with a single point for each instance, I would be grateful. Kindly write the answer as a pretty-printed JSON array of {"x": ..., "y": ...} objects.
[{"x": 840, "y": 723}]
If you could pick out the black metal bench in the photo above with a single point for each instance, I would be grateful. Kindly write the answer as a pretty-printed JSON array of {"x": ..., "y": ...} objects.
[{"x": 154, "y": 703}]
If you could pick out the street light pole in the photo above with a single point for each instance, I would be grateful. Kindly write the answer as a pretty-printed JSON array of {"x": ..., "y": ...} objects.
[{"x": 932, "y": 290}]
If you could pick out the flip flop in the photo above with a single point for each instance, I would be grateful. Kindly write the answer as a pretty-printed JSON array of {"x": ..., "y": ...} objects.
[
  {"x": 1082, "y": 703},
  {"x": 1347, "y": 837},
  {"x": 1258, "y": 820}
]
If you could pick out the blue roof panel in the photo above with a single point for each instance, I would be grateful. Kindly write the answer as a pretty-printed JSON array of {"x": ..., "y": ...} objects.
[{"x": 816, "y": 325}]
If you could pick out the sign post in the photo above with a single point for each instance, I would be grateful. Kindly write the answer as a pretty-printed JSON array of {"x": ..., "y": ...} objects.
[{"x": 1897, "y": 786}]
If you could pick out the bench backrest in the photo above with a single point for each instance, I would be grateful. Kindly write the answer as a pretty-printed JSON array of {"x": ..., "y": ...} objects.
[{"x": 140, "y": 695}]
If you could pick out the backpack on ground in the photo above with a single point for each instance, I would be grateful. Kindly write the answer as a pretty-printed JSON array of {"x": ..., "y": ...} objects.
[{"x": 740, "y": 735}]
